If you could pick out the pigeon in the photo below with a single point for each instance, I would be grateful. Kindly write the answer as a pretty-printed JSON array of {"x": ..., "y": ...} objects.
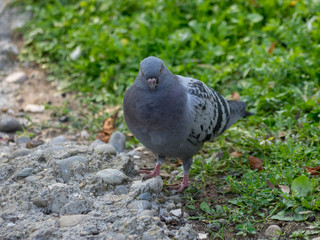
[{"x": 174, "y": 115}]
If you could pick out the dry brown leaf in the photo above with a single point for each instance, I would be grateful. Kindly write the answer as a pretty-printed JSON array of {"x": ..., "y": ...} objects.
[
  {"x": 313, "y": 170},
  {"x": 235, "y": 96},
  {"x": 272, "y": 47},
  {"x": 284, "y": 188},
  {"x": 108, "y": 129},
  {"x": 270, "y": 185},
  {"x": 255, "y": 163},
  {"x": 236, "y": 154}
]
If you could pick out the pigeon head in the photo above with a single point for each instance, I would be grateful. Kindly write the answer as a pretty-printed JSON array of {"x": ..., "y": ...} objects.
[{"x": 152, "y": 72}]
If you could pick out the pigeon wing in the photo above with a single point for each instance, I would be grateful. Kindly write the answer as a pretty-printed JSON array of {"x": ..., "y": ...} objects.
[{"x": 209, "y": 111}]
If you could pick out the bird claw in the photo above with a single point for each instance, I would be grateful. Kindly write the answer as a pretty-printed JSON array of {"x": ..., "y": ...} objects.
[
  {"x": 150, "y": 174},
  {"x": 179, "y": 188}
]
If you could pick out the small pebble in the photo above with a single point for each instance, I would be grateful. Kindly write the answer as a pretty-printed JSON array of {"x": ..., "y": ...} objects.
[
  {"x": 145, "y": 196},
  {"x": 273, "y": 231},
  {"x": 39, "y": 202},
  {"x": 9, "y": 124},
  {"x": 17, "y": 77}
]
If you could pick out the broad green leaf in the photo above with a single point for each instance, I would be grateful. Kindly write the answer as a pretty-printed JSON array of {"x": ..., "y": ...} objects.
[
  {"x": 205, "y": 207},
  {"x": 301, "y": 187},
  {"x": 254, "y": 17}
]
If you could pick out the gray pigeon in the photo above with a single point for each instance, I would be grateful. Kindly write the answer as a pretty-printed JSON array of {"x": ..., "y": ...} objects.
[{"x": 174, "y": 115}]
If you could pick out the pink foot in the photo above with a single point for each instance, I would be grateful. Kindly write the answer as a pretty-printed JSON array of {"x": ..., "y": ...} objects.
[
  {"x": 151, "y": 174},
  {"x": 184, "y": 185}
]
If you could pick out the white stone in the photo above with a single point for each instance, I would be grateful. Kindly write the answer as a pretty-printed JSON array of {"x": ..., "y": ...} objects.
[
  {"x": 17, "y": 77},
  {"x": 105, "y": 149},
  {"x": 34, "y": 108},
  {"x": 273, "y": 231},
  {"x": 70, "y": 220},
  {"x": 176, "y": 212},
  {"x": 152, "y": 185},
  {"x": 202, "y": 235}
]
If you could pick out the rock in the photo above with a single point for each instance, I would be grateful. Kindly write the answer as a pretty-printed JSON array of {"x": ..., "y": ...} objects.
[
  {"x": 202, "y": 236},
  {"x": 34, "y": 108},
  {"x": 58, "y": 140},
  {"x": 9, "y": 124},
  {"x": 75, "y": 54},
  {"x": 118, "y": 141},
  {"x": 112, "y": 176},
  {"x": 23, "y": 140},
  {"x": 150, "y": 213},
  {"x": 273, "y": 231},
  {"x": 147, "y": 236},
  {"x": 17, "y": 77},
  {"x": 145, "y": 196},
  {"x": 186, "y": 232},
  {"x": 58, "y": 196},
  {"x": 105, "y": 149},
  {"x": 76, "y": 207},
  {"x": 64, "y": 118},
  {"x": 21, "y": 152},
  {"x": 23, "y": 173},
  {"x": 39, "y": 202},
  {"x": 120, "y": 236},
  {"x": 121, "y": 189},
  {"x": 317, "y": 238},
  {"x": 72, "y": 166},
  {"x": 176, "y": 212},
  {"x": 95, "y": 143},
  {"x": 152, "y": 185},
  {"x": 84, "y": 134},
  {"x": 71, "y": 220},
  {"x": 139, "y": 205}
]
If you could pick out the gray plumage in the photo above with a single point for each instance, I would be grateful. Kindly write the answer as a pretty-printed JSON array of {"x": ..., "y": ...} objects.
[{"x": 174, "y": 115}]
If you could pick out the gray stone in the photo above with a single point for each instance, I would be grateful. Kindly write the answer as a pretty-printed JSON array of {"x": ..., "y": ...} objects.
[
  {"x": 58, "y": 140},
  {"x": 150, "y": 213},
  {"x": 58, "y": 196},
  {"x": 71, "y": 220},
  {"x": 118, "y": 141},
  {"x": 21, "y": 152},
  {"x": 39, "y": 202},
  {"x": 273, "y": 231},
  {"x": 105, "y": 149},
  {"x": 152, "y": 185},
  {"x": 23, "y": 173},
  {"x": 9, "y": 124},
  {"x": 139, "y": 205},
  {"x": 76, "y": 207},
  {"x": 112, "y": 176},
  {"x": 71, "y": 163},
  {"x": 186, "y": 232},
  {"x": 145, "y": 196},
  {"x": 95, "y": 143},
  {"x": 120, "y": 189},
  {"x": 23, "y": 140},
  {"x": 147, "y": 236},
  {"x": 119, "y": 236},
  {"x": 17, "y": 77},
  {"x": 317, "y": 238}
]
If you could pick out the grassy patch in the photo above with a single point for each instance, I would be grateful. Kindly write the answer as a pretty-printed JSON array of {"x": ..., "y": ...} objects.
[{"x": 267, "y": 51}]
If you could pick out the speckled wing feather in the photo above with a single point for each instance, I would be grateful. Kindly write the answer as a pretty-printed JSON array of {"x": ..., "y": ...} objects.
[{"x": 210, "y": 112}]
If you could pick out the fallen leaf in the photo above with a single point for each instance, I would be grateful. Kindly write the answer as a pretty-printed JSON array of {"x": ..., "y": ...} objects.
[
  {"x": 236, "y": 154},
  {"x": 284, "y": 188},
  {"x": 235, "y": 96},
  {"x": 313, "y": 170},
  {"x": 108, "y": 129},
  {"x": 270, "y": 185},
  {"x": 271, "y": 48},
  {"x": 255, "y": 163}
]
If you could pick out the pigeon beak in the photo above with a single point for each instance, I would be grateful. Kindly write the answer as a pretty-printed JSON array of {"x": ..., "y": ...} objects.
[{"x": 152, "y": 82}]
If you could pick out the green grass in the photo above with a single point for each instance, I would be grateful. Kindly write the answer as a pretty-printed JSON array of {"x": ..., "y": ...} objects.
[{"x": 227, "y": 45}]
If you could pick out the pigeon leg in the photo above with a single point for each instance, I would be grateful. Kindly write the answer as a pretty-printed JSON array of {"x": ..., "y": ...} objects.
[
  {"x": 155, "y": 172},
  {"x": 185, "y": 183}
]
